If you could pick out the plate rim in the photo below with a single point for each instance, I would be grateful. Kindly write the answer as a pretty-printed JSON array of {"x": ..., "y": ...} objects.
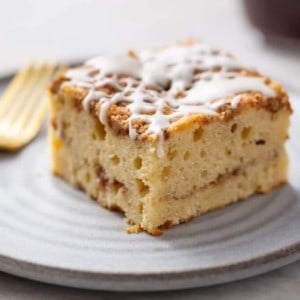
[{"x": 103, "y": 280}]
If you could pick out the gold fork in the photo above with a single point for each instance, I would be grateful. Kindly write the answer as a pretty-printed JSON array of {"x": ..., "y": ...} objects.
[{"x": 23, "y": 105}]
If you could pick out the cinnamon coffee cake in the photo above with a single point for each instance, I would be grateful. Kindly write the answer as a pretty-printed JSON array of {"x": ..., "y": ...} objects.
[{"x": 168, "y": 134}]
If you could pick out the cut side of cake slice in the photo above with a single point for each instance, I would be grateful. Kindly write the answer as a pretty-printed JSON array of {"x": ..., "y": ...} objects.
[{"x": 167, "y": 135}]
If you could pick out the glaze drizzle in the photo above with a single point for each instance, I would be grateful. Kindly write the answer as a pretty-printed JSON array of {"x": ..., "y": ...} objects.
[{"x": 160, "y": 86}]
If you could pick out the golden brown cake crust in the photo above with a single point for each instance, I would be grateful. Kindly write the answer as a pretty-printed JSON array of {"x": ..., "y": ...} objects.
[{"x": 118, "y": 114}]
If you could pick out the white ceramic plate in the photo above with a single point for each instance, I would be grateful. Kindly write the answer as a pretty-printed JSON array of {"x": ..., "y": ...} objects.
[{"x": 53, "y": 233}]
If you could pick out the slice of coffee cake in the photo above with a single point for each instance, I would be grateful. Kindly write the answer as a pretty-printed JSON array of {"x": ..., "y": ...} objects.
[{"x": 166, "y": 135}]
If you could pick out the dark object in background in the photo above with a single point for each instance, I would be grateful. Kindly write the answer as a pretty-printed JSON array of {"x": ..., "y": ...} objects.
[{"x": 275, "y": 18}]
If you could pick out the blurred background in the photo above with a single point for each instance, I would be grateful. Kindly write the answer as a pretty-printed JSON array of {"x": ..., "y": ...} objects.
[{"x": 74, "y": 30}]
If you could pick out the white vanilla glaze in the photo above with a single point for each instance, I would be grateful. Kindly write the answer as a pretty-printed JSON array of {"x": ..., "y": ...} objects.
[{"x": 194, "y": 79}]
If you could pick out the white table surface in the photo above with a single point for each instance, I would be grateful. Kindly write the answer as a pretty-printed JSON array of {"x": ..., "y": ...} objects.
[{"x": 68, "y": 30}]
